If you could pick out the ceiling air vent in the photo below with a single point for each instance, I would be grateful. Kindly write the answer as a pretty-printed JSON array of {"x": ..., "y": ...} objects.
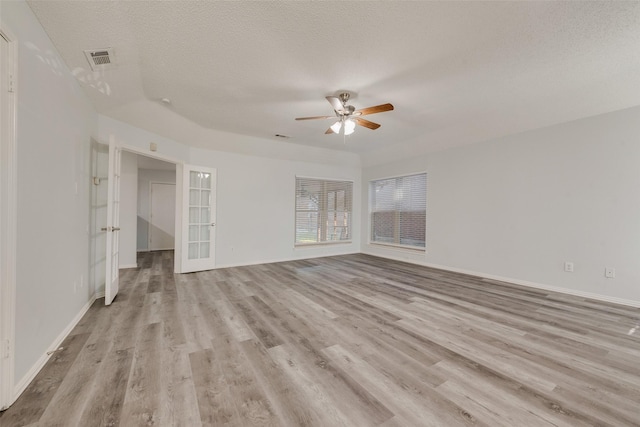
[{"x": 100, "y": 59}]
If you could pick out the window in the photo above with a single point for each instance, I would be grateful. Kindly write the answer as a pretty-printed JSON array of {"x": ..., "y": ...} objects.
[
  {"x": 323, "y": 211},
  {"x": 399, "y": 210}
]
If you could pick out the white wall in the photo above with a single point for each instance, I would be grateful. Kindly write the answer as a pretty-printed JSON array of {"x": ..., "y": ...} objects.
[
  {"x": 520, "y": 206},
  {"x": 140, "y": 139},
  {"x": 128, "y": 209},
  {"x": 255, "y": 195},
  {"x": 55, "y": 123},
  {"x": 145, "y": 177},
  {"x": 159, "y": 119},
  {"x": 256, "y": 207}
]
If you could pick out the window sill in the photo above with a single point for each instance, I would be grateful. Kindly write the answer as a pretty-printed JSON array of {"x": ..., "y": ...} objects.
[
  {"x": 316, "y": 244},
  {"x": 399, "y": 247}
]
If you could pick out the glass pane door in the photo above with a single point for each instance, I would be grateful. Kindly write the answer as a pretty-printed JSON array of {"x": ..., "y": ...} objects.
[
  {"x": 199, "y": 218},
  {"x": 199, "y": 214},
  {"x": 113, "y": 223}
]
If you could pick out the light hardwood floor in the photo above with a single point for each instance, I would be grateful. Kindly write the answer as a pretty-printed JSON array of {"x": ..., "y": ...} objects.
[{"x": 350, "y": 340}]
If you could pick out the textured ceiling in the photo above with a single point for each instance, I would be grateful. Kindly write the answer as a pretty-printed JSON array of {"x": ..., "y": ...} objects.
[{"x": 457, "y": 72}]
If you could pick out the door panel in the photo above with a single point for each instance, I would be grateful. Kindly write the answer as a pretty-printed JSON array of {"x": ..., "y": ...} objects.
[
  {"x": 199, "y": 189},
  {"x": 113, "y": 223},
  {"x": 8, "y": 219}
]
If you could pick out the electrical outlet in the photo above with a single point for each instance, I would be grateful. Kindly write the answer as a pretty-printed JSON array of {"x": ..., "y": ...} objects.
[
  {"x": 610, "y": 273},
  {"x": 568, "y": 267}
]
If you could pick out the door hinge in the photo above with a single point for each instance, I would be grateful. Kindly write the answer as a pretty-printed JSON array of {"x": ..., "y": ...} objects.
[
  {"x": 10, "y": 90},
  {"x": 6, "y": 349}
]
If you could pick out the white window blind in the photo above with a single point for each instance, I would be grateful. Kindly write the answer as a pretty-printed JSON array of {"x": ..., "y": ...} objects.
[
  {"x": 399, "y": 210},
  {"x": 323, "y": 210}
]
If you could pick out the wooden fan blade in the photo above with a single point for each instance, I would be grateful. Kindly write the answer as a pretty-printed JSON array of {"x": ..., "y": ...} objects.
[
  {"x": 336, "y": 103},
  {"x": 315, "y": 117},
  {"x": 372, "y": 110},
  {"x": 329, "y": 131},
  {"x": 365, "y": 123}
]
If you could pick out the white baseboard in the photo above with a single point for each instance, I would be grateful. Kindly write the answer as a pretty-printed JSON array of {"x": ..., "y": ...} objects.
[
  {"x": 573, "y": 292},
  {"x": 272, "y": 261},
  {"x": 128, "y": 266},
  {"x": 526, "y": 283},
  {"x": 35, "y": 369}
]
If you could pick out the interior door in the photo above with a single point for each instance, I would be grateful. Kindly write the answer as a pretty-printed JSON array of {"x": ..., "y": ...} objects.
[
  {"x": 198, "y": 218},
  {"x": 113, "y": 223},
  {"x": 8, "y": 220},
  {"x": 162, "y": 216}
]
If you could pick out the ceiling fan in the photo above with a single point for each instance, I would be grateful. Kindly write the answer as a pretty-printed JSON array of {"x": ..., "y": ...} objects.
[{"x": 348, "y": 116}]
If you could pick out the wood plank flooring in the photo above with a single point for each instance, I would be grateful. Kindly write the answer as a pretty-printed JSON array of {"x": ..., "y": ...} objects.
[{"x": 340, "y": 341}]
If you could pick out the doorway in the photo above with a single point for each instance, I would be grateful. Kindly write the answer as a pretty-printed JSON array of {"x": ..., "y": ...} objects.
[
  {"x": 135, "y": 169},
  {"x": 195, "y": 213},
  {"x": 147, "y": 206}
]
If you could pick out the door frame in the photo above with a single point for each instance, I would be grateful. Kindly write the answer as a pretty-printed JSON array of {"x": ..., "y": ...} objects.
[
  {"x": 8, "y": 224},
  {"x": 151, "y": 183}
]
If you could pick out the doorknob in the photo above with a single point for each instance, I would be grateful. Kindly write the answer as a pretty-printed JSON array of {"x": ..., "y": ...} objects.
[
  {"x": 105, "y": 229},
  {"x": 115, "y": 229},
  {"x": 213, "y": 224}
]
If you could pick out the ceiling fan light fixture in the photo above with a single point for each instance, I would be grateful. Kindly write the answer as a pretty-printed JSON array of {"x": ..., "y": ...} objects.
[
  {"x": 348, "y": 115},
  {"x": 349, "y": 126}
]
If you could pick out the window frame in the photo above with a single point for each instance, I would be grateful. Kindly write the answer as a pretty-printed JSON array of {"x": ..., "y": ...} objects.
[
  {"x": 324, "y": 214},
  {"x": 394, "y": 245}
]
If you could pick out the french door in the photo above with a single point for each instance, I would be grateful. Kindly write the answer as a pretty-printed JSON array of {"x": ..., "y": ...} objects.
[
  {"x": 8, "y": 217},
  {"x": 113, "y": 222},
  {"x": 198, "y": 218}
]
